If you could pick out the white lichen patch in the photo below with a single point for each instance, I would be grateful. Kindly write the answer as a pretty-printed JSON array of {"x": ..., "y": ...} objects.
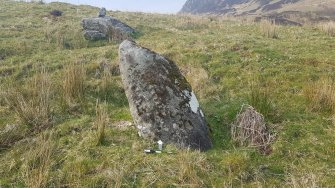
[
  {"x": 194, "y": 104},
  {"x": 202, "y": 114},
  {"x": 140, "y": 128},
  {"x": 143, "y": 130}
]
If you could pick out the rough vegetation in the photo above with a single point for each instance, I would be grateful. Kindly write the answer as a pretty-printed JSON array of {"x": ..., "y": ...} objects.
[
  {"x": 239, "y": 64},
  {"x": 250, "y": 129}
]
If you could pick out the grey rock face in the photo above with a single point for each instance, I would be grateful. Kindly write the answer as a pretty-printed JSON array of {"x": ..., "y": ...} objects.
[
  {"x": 106, "y": 25},
  {"x": 265, "y": 8},
  {"x": 161, "y": 101},
  {"x": 94, "y": 35},
  {"x": 102, "y": 12}
]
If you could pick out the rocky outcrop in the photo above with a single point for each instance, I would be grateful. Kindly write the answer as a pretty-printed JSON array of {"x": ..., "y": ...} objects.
[
  {"x": 259, "y": 7},
  {"x": 105, "y": 27},
  {"x": 200, "y": 6},
  {"x": 161, "y": 101}
]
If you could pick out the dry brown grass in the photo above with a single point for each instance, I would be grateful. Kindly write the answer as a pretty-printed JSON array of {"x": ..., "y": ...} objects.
[
  {"x": 251, "y": 130},
  {"x": 188, "y": 175},
  {"x": 38, "y": 161},
  {"x": 304, "y": 180},
  {"x": 191, "y": 22},
  {"x": 106, "y": 81},
  {"x": 190, "y": 163},
  {"x": 10, "y": 134},
  {"x": 32, "y": 104},
  {"x": 197, "y": 77},
  {"x": 328, "y": 27},
  {"x": 117, "y": 35},
  {"x": 73, "y": 84},
  {"x": 322, "y": 95},
  {"x": 269, "y": 29},
  {"x": 100, "y": 122}
]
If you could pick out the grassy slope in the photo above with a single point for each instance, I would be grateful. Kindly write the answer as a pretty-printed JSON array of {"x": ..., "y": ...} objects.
[{"x": 230, "y": 55}]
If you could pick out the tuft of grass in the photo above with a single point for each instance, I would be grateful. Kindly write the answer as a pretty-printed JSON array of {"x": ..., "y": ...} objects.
[
  {"x": 191, "y": 22},
  {"x": 306, "y": 180},
  {"x": 190, "y": 164},
  {"x": 269, "y": 29},
  {"x": 321, "y": 94},
  {"x": 106, "y": 83},
  {"x": 260, "y": 99},
  {"x": 100, "y": 123},
  {"x": 38, "y": 162},
  {"x": 73, "y": 84},
  {"x": 235, "y": 163},
  {"x": 117, "y": 35},
  {"x": 32, "y": 105},
  {"x": 328, "y": 27},
  {"x": 198, "y": 78},
  {"x": 10, "y": 135}
]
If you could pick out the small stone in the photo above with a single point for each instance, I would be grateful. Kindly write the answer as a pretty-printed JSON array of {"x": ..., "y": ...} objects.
[
  {"x": 102, "y": 12},
  {"x": 56, "y": 13}
]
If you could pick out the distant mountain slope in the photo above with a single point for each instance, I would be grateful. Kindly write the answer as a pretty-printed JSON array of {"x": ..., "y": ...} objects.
[{"x": 259, "y": 7}]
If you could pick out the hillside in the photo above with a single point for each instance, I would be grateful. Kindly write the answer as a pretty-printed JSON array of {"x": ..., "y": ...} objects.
[
  {"x": 259, "y": 7},
  {"x": 65, "y": 119}
]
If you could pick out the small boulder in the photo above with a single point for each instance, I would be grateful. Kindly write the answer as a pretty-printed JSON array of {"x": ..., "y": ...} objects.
[
  {"x": 56, "y": 13},
  {"x": 102, "y": 12},
  {"x": 161, "y": 101}
]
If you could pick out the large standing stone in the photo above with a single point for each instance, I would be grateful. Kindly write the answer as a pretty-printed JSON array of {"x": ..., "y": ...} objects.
[{"x": 161, "y": 101}]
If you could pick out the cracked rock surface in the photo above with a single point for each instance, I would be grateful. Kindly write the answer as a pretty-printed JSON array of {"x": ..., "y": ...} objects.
[{"x": 161, "y": 101}]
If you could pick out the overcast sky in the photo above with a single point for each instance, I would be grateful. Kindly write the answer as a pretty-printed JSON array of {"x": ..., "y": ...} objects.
[{"x": 161, "y": 6}]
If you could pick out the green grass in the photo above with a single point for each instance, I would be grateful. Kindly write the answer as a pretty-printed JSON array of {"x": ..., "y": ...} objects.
[{"x": 238, "y": 65}]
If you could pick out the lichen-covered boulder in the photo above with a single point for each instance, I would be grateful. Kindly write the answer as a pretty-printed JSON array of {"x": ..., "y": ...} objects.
[
  {"x": 161, "y": 101},
  {"x": 108, "y": 26}
]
